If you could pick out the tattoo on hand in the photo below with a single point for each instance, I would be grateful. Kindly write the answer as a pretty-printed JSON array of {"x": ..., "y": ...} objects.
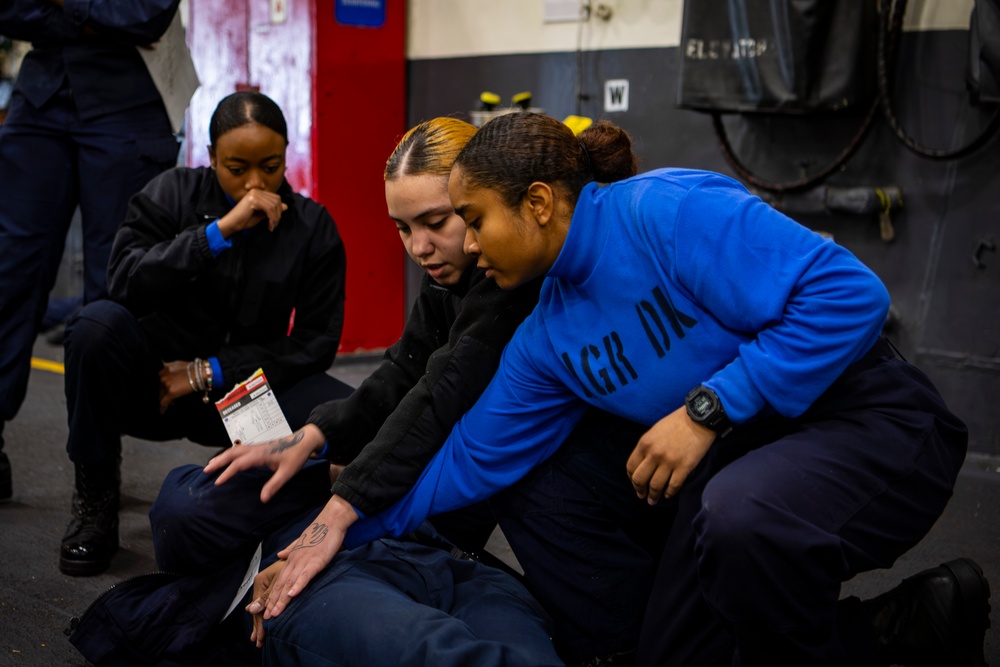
[
  {"x": 287, "y": 443},
  {"x": 312, "y": 537}
]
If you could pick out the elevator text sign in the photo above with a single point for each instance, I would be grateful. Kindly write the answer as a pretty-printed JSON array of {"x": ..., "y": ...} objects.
[{"x": 369, "y": 13}]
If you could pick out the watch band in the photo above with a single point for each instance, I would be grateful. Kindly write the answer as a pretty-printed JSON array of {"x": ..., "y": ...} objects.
[{"x": 704, "y": 407}]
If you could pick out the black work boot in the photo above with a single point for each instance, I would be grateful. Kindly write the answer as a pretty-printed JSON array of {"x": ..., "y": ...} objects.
[
  {"x": 936, "y": 617},
  {"x": 6, "y": 484},
  {"x": 91, "y": 538}
]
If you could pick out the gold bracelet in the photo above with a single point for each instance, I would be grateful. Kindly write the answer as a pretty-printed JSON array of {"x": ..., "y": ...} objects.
[{"x": 190, "y": 369}]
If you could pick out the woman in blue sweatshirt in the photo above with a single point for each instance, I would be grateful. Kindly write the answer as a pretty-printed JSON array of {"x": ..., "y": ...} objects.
[
  {"x": 389, "y": 429},
  {"x": 801, "y": 450}
]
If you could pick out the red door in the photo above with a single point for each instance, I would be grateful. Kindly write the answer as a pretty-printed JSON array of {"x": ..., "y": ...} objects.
[{"x": 342, "y": 89}]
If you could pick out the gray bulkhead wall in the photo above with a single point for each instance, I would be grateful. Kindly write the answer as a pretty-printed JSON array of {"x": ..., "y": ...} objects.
[{"x": 946, "y": 308}]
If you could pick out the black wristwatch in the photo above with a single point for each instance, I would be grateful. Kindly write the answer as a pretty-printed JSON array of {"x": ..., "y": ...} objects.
[{"x": 705, "y": 408}]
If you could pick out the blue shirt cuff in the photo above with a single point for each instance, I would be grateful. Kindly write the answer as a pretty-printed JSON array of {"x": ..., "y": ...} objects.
[
  {"x": 217, "y": 379},
  {"x": 321, "y": 454},
  {"x": 216, "y": 242}
]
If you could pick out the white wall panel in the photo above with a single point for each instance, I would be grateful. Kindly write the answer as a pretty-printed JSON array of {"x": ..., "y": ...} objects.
[{"x": 457, "y": 28}]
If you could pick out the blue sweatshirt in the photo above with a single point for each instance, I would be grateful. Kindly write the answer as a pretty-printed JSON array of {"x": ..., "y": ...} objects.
[{"x": 667, "y": 280}]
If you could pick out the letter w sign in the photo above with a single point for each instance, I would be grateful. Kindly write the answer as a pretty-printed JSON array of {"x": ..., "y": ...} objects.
[{"x": 616, "y": 95}]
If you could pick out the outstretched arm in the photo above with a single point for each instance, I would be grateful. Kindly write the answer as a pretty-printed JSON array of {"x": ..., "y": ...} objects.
[
  {"x": 285, "y": 456},
  {"x": 518, "y": 422},
  {"x": 456, "y": 375}
]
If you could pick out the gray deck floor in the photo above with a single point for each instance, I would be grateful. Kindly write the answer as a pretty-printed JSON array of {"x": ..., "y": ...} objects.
[{"x": 37, "y": 602}]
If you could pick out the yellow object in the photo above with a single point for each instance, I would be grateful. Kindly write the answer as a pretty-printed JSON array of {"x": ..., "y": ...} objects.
[
  {"x": 46, "y": 365},
  {"x": 522, "y": 99},
  {"x": 578, "y": 123},
  {"x": 489, "y": 100}
]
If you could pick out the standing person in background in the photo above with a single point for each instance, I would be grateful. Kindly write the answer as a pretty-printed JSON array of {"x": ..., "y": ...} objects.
[
  {"x": 86, "y": 127},
  {"x": 800, "y": 449},
  {"x": 214, "y": 273}
]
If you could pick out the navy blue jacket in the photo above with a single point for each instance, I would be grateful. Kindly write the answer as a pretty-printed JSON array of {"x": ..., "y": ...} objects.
[{"x": 90, "y": 46}]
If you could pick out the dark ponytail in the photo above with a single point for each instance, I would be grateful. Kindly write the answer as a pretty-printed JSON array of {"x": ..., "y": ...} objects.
[
  {"x": 609, "y": 148},
  {"x": 512, "y": 151}
]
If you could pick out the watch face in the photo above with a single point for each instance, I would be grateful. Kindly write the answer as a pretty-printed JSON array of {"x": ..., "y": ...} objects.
[{"x": 701, "y": 404}]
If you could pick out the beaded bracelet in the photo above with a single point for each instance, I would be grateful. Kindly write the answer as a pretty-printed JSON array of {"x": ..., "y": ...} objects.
[
  {"x": 206, "y": 371},
  {"x": 206, "y": 377},
  {"x": 196, "y": 378}
]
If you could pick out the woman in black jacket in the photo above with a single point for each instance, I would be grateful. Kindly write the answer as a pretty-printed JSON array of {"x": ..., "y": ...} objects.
[{"x": 213, "y": 274}]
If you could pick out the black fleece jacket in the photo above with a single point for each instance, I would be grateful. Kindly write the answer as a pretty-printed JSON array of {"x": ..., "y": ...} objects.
[
  {"x": 236, "y": 307},
  {"x": 394, "y": 423}
]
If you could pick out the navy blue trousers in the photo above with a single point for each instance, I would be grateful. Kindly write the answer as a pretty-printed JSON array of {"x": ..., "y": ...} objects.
[
  {"x": 385, "y": 603},
  {"x": 400, "y": 603},
  {"x": 783, "y": 511},
  {"x": 199, "y": 527},
  {"x": 588, "y": 546},
  {"x": 51, "y": 162},
  {"x": 112, "y": 388}
]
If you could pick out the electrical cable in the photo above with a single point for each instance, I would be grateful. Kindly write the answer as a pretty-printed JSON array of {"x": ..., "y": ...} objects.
[
  {"x": 800, "y": 184},
  {"x": 889, "y": 34}
]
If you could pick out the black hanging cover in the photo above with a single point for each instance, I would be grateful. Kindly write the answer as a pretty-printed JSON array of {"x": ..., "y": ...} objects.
[
  {"x": 785, "y": 56},
  {"x": 984, "y": 51}
]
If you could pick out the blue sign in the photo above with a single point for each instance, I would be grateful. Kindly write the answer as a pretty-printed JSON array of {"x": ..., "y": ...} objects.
[{"x": 368, "y": 13}]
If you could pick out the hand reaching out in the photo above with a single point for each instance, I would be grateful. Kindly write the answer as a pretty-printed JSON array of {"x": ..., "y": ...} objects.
[
  {"x": 666, "y": 455},
  {"x": 285, "y": 456},
  {"x": 309, "y": 554}
]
